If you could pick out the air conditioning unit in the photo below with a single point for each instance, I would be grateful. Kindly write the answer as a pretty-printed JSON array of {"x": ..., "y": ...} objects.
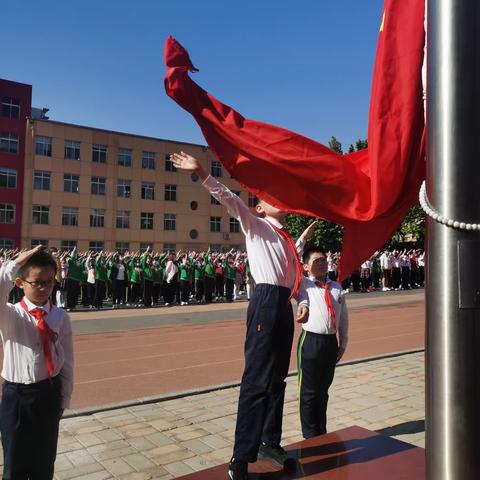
[{"x": 226, "y": 236}]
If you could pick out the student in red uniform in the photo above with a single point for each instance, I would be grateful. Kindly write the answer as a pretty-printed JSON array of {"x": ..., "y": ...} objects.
[
  {"x": 37, "y": 367},
  {"x": 277, "y": 272}
]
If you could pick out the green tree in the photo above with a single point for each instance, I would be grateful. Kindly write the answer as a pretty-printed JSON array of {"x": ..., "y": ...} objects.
[
  {"x": 361, "y": 144},
  {"x": 327, "y": 234},
  {"x": 412, "y": 228},
  {"x": 335, "y": 145}
]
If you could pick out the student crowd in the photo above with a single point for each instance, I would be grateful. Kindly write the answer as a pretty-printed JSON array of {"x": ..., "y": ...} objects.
[
  {"x": 152, "y": 278},
  {"x": 147, "y": 279}
]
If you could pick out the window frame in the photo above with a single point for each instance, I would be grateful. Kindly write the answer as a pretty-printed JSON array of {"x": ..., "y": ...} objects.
[
  {"x": 99, "y": 153},
  {"x": 7, "y": 209},
  {"x": 42, "y": 211},
  {"x": 43, "y": 145},
  {"x": 6, "y": 174}
]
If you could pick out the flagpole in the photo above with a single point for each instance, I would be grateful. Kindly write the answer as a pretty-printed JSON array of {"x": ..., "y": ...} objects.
[{"x": 453, "y": 263}]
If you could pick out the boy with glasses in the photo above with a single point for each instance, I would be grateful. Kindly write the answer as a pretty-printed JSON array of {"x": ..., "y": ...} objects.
[{"x": 37, "y": 366}]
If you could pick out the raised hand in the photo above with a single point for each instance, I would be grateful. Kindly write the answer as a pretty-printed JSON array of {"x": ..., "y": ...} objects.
[
  {"x": 188, "y": 163},
  {"x": 24, "y": 256}
]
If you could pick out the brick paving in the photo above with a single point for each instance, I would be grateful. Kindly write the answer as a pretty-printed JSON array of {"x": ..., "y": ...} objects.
[{"x": 171, "y": 438}]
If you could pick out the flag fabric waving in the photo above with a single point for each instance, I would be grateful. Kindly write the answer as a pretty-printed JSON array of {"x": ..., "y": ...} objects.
[{"x": 369, "y": 191}]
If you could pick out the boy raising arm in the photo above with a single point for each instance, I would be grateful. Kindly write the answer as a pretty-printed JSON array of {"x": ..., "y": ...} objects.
[{"x": 277, "y": 273}]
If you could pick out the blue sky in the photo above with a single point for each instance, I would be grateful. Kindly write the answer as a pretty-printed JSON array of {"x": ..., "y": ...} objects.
[{"x": 303, "y": 65}]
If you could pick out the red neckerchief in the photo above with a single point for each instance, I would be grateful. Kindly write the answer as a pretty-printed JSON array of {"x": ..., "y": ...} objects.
[
  {"x": 328, "y": 302},
  {"x": 299, "y": 273},
  {"x": 47, "y": 335}
]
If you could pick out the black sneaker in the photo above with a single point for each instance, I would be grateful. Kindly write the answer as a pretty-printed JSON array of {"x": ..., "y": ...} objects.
[
  {"x": 237, "y": 470},
  {"x": 277, "y": 456}
]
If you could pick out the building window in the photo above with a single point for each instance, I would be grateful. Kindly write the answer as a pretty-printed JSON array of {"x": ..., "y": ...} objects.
[
  {"x": 252, "y": 200},
  {"x": 99, "y": 153},
  {"x": 41, "y": 180},
  {"x": 8, "y": 142},
  {"x": 216, "y": 170},
  {"x": 97, "y": 217},
  {"x": 10, "y": 107},
  {"x": 96, "y": 246},
  {"x": 123, "y": 219},
  {"x": 123, "y": 188},
  {"x": 148, "y": 160},
  {"x": 194, "y": 177},
  {"x": 7, "y": 213},
  {"x": 71, "y": 183},
  {"x": 8, "y": 178},
  {"x": 214, "y": 201},
  {"x": 98, "y": 185},
  {"x": 234, "y": 225},
  {"x": 6, "y": 243},
  {"x": 70, "y": 216},
  {"x": 215, "y": 247},
  {"x": 146, "y": 221},
  {"x": 40, "y": 214},
  {"x": 193, "y": 233},
  {"x": 68, "y": 245},
  {"x": 171, "y": 193},
  {"x": 148, "y": 191},
  {"x": 122, "y": 247},
  {"x": 43, "y": 146},
  {"x": 144, "y": 246},
  {"x": 169, "y": 221},
  {"x": 72, "y": 150},
  {"x": 37, "y": 241},
  {"x": 215, "y": 224},
  {"x": 194, "y": 205},
  {"x": 169, "y": 166},
  {"x": 124, "y": 158},
  {"x": 169, "y": 247}
]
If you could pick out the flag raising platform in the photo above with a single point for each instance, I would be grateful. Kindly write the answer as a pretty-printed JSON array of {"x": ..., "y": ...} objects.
[{"x": 352, "y": 453}]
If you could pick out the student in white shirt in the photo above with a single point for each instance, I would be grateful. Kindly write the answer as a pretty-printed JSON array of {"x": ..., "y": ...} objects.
[
  {"x": 319, "y": 350},
  {"x": 37, "y": 367},
  {"x": 277, "y": 273}
]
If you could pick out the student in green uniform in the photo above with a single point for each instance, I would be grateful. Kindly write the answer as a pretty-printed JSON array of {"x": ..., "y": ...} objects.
[
  {"x": 184, "y": 269},
  {"x": 100, "y": 281},
  {"x": 146, "y": 264},
  {"x": 72, "y": 282},
  {"x": 198, "y": 277},
  {"x": 229, "y": 274}
]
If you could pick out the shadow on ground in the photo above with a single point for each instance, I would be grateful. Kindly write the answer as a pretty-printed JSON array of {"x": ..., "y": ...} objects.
[{"x": 415, "y": 426}]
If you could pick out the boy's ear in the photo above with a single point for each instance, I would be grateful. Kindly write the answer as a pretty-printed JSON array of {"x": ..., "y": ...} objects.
[
  {"x": 19, "y": 283},
  {"x": 305, "y": 267},
  {"x": 259, "y": 210}
]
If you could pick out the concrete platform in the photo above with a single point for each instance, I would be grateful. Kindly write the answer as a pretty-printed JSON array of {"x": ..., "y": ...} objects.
[{"x": 353, "y": 453}]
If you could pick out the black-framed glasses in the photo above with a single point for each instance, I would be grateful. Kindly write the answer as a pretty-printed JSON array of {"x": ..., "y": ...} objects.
[{"x": 40, "y": 284}]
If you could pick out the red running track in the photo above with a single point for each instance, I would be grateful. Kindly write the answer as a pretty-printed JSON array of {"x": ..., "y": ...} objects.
[{"x": 115, "y": 367}]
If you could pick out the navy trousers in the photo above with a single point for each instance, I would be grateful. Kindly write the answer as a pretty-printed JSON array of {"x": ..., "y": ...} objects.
[
  {"x": 317, "y": 357},
  {"x": 267, "y": 356},
  {"x": 29, "y": 422}
]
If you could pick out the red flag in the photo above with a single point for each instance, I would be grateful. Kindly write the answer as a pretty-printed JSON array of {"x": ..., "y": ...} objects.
[{"x": 368, "y": 192}]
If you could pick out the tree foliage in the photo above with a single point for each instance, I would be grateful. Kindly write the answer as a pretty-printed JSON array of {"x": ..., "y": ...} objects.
[{"x": 412, "y": 228}]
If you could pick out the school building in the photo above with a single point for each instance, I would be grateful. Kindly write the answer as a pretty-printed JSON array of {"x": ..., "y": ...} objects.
[{"x": 65, "y": 185}]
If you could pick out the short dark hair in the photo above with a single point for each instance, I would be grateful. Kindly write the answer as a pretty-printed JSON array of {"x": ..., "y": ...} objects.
[
  {"x": 309, "y": 249},
  {"x": 40, "y": 259}
]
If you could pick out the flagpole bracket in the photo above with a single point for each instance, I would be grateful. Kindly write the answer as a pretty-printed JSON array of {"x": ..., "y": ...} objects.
[{"x": 435, "y": 215}]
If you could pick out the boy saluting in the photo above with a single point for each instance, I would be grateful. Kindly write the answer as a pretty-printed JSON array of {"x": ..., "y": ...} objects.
[
  {"x": 37, "y": 366},
  {"x": 277, "y": 272}
]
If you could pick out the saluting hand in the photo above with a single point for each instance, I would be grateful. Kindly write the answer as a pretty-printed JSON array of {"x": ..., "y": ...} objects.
[{"x": 24, "y": 256}]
